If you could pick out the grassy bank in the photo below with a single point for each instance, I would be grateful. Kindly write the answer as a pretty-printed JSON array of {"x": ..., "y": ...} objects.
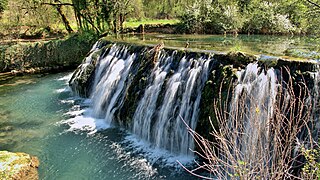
[{"x": 136, "y": 23}]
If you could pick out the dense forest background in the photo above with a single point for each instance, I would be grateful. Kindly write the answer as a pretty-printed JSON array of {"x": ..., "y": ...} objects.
[{"x": 38, "y": 17}]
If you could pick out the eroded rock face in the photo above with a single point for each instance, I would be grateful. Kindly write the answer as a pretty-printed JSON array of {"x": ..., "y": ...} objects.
[{"x": 18, "y": 166}]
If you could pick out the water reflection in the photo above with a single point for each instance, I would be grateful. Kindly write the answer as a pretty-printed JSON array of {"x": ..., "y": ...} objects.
[{"x": 284, "y": 46}]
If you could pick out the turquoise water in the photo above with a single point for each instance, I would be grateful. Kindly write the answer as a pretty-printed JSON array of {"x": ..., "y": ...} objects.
[
  {"x": 31, "y": 111},
  {"x": 290, "y": 47}
]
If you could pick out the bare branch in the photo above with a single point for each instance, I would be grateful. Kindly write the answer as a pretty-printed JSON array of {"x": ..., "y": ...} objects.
[
  {"x": 313, "y": 3},
  {"x": 255, "y": 139},
  {"x": 58, "y": 4}
]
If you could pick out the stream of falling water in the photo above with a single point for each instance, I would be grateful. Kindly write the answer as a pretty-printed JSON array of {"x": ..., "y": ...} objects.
[{"x": 171, "y": 97}]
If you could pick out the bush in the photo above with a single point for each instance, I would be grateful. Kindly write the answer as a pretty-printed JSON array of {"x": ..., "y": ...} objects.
[
  {"x": 207, "y": 18},
  {"x": 191, "y": 22},
  {"x": 264, "y": 19},
  {"x": 256, "y": 16}
]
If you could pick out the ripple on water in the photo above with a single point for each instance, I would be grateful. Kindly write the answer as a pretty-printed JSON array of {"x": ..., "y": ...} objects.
[
  {"x": 28, "y": 122},
  {"x": 134, "y": 154}
]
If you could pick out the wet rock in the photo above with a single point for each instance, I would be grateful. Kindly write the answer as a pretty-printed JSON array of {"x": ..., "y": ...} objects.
[
  {"x": 18, "y": 166},
  {"x": 240, "y": 59}
]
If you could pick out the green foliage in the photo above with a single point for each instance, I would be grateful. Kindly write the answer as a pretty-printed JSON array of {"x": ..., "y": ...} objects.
[
  {"x": 251, "y": 16},
  {"x": 135, "y": 23},
  {"x": 191, "y": 20},
  {"x": 165, "y": 9},
  {"x": 207, "y": 16},
  {"x": 311, "y": 169},
  {"x": 93, "y": 15},
  {"x": 263, "y": 18}
]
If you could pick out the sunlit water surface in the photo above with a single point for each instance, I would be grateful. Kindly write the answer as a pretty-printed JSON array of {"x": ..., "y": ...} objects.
[
  {"x": 288, "y": 47},
  {"x": 33, "y": 115}
]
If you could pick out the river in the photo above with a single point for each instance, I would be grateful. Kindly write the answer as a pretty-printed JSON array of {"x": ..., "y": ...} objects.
[{"x": 33, "y": 115}]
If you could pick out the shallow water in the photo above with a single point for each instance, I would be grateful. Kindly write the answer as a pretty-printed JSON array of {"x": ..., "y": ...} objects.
[
  {"x": 33, "y": 115},
  {"x": 291, "y": 47}
]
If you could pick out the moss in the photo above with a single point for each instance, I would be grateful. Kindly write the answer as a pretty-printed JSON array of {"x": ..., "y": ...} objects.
[
  {"x": 65, "y": 53},
  {"x": 240, "y": 59},
  {"x": 18, "y": 166},
  {"x": 141, "y": 70},
  {"x": 214, "y": 96}
]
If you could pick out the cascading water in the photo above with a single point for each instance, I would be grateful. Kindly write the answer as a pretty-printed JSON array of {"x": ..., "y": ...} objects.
[
  {"x": 109, "y": 82},
  {"x": 164, "y": 126},
  {"x": 171, "y": 94},
  {"x": 81, "y": 69},
  {"x": 252, "y": 107},
  {"x": 156, "y": 94},
  {"x": 144, "y": 114}
]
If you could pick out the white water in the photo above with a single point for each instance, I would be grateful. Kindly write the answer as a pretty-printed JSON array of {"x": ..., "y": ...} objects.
[
  {"x": 169, "y": 129},
  {"x": 171, "y": 97},
  {"x": 163, "y": 126},
  {"x": 254, "y": 97},
  {"x": 88, "y": 60},
  {"x": 111, "y": 74},
  {"x": 144, "y": 114}
]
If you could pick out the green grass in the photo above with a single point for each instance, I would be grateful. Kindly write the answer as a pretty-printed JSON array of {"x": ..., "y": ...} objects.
[{"x": 133, "y": 24}]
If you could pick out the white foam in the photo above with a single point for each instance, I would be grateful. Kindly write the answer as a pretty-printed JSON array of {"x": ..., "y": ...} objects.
[
  {"x": 139, "y": 164},
  {"x": 75, "y": 113},
  {"x": 157, "y": 155},
  {"x": 83, "y": 121},
  {"x": 86, "y": 123},
  {"x": 66, "y": 77},
  {"x": 71, "y": 100},
  {"x": 68, "y": 101},
  {"x": 62, "y": 90}
]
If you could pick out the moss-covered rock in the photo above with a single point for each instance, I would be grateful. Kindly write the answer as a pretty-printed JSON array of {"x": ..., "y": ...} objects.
[
  {"x": 44, "y": 56},
  {"x": 18, "y": 166},
  {"x": 215, "y": 96},
  {"x": 239, "y": 59}
]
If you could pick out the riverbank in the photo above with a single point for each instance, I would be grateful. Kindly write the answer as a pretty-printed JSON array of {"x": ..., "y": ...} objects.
[{"x": 44, "y": 55}]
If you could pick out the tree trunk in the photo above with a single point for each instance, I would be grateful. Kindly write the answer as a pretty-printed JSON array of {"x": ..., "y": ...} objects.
[
  {"x": 122, "y": 18},
  {"x": 64, "y": 19}
]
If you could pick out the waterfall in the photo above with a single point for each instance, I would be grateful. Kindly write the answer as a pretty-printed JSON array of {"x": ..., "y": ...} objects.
[
  {"x": 163, "y": 126},
  {"x": 252, "y": 108},
  {"x": 155, "y": 97},
  {"x": 146, "y": 109},
  {"x": 82, "y": 69},
  {"x": 169, "y": 96},
  {"x": 109, "y": 82}
]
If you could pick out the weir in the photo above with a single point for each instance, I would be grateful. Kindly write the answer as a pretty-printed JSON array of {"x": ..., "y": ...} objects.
[{"x": 156, "y": 100}]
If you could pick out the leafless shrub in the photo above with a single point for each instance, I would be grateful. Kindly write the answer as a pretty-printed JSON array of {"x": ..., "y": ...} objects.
[{"x": 250, "y": 145}]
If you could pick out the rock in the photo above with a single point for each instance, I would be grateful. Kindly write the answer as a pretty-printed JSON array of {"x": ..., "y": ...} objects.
[
  {"x": 43, "y": 56},
  {"x": 240, "y": 59},
  {"x": 18, "y": 166}
]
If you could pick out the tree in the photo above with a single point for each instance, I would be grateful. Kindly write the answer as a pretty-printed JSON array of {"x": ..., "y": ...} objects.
[
  {"x": 57, "y": 4},
  {"x": 122, "y": 8}
]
